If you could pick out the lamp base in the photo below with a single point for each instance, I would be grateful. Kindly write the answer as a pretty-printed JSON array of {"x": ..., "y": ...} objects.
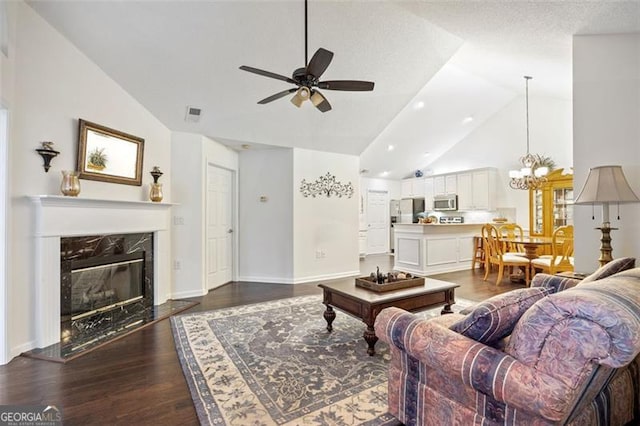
[{"x": 605, "y": 246}]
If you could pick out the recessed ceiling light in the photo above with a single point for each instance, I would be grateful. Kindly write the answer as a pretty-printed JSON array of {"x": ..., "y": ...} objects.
[
  {"x": 467, "y": 120},
  {"x": 384, "y": 173},
  {"x": 391, "y": 147},
  {"x": 426, "y": 154},
  {"x": 418, "y": 105}
]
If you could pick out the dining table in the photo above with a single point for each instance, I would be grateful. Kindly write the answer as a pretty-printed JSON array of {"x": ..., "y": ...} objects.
[{"x": 530, "y": 244}]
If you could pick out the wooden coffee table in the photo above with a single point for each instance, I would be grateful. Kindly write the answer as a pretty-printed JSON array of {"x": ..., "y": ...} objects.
[{"x": 366, "y": 304}]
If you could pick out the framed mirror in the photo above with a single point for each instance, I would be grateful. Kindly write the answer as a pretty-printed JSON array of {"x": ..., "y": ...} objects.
[{"x": 109, "y": 155}]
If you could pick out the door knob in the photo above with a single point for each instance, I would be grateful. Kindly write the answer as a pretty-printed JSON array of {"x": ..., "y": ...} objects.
[{"x": 229, "y": 231}]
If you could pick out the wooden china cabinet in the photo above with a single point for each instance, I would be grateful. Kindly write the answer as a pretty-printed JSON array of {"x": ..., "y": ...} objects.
[{"x": 551, "y": 206}]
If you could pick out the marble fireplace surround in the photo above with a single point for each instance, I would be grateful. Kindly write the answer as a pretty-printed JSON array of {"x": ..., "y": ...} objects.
[{"x": 58, "y": 216}]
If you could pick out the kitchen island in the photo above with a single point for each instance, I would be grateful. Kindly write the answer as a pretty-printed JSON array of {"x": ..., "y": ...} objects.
[{"x": 427, "y": 249}]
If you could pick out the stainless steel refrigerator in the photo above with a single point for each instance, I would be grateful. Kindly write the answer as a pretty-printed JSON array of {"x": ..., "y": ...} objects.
[
  {"x": 410, "y": 208},
  {"x": 394, "y": 214}
]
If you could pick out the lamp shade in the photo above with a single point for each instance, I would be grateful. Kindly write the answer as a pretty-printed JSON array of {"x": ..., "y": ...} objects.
[{"x": 606, "y": 184}]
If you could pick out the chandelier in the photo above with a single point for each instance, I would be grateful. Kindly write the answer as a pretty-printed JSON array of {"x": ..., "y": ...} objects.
[{"x": 533, "y": 171}]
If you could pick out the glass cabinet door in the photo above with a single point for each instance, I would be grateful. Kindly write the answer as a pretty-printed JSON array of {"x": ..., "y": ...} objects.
[
  {"x": 562, "y": 207},
  {"x": 537, "y": 211},
  {"x": 551, "y": 205}
]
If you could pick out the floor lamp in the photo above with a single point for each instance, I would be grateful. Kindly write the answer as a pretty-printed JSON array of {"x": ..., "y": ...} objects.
[{"x": 606, "y": 185}]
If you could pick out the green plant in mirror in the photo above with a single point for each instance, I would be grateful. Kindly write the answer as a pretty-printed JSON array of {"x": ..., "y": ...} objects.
[{"x": 97, "y": 159}]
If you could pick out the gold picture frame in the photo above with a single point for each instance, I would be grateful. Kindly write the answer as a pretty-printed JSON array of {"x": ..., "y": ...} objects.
[{"x": 109, "y": 155}]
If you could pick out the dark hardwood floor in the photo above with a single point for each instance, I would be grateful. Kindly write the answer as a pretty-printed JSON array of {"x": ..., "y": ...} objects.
[{"x": 138, "y": 379}]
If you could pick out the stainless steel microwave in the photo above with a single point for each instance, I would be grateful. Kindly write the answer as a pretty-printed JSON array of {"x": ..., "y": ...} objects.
[{"x": 445, "y": 203}]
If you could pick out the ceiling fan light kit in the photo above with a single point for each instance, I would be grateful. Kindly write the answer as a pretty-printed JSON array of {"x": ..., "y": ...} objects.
[
  {"x": 301, "y": 95},
  {"x": 307, "y": 79}
]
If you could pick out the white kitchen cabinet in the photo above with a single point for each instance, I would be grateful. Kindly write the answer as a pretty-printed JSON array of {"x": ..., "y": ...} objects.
[
  {"x": 406, "y": 188},
  {"x": 465, "y": 191},
  {"x": 477, "y": 190},
  {"x": 412, "y": 188},
  {"x": 428, "y": 194},
  {"x": 445, "y": 184}
]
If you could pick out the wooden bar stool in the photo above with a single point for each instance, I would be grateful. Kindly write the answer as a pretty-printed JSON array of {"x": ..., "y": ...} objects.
[{"x": 478, "y": 252}]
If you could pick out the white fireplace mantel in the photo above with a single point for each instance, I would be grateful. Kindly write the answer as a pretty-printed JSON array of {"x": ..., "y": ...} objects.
[
  {"x": 90, "y": 216},
  {"x": 59, "y": 216}
]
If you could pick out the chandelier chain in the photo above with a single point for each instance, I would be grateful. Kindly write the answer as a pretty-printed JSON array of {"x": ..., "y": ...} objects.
[
  {"x": 532, "y": 172},
  {"x": 526, "y": 79}
]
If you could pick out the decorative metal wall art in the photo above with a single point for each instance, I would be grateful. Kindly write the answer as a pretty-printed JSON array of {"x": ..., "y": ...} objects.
[{"x": 326, "y": 185}]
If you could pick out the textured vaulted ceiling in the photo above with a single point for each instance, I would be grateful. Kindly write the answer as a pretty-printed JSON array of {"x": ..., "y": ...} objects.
[{"x": 460, "y": 58}]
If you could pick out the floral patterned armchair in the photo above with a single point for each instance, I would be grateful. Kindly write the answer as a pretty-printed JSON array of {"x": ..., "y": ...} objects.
[{"x": 560, "y": 352}]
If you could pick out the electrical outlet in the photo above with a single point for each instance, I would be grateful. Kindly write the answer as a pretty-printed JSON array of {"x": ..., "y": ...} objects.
[
  {"x": 177, "y": 265},
  {"x": 178, "y": 220},
  {"x": 319, "y": 254}
]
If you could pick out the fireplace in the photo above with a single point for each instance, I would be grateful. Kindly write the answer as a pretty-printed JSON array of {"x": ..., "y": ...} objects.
[
  {"x": 76, "y": 229},
  {"x": 106, "y": 285}
]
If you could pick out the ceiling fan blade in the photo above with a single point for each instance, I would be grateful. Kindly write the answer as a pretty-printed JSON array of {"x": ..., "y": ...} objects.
[
  {"x": 319, "y": 62},
  {"x": 320, "y": 101},
  {"x": 269, "y": 74},
  {"x": 277, "y": 96},
  {"x": 350, "y": 85}
]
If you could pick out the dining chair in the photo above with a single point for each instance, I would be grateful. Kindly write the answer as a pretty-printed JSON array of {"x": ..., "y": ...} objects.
[
  {"x": 496, "y": 255},
  {"x": 561, "y": 258},
  {"x": 478, "y": 253},
  {"x": 512, "y": 230}
]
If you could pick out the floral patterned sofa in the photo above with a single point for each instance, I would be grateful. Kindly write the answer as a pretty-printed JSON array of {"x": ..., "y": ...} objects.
[{"x": 559, "y": 352}]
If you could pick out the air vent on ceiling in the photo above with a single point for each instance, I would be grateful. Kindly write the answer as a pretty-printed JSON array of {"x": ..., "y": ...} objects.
[{"x": 193, "y": 114}]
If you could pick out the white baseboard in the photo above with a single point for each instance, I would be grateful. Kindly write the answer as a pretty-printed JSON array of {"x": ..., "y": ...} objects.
[
  {"x": 187, "y": 294},
  {"x": 269, "y": 280},
  {"x": 17, "y": 350},
  {"x": 347, "y": 274},
  {"x": 299, "y": 280}
]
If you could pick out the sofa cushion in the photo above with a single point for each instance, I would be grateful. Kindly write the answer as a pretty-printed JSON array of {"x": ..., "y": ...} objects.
[
  {"x": 611, "y": 268},
  {"x": 495, "y": 318}
]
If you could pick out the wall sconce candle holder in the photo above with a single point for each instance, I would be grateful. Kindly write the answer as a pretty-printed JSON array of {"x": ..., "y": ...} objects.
[
  {"x": 47, "y": 153},
  {"x": 155, "y": 192}
]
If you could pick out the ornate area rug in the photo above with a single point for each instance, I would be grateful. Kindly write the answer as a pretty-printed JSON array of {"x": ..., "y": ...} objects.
[{"x": 274, "y": 363}]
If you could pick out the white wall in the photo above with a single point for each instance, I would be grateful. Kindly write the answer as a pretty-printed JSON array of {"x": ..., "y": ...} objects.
[
  {"x": 53, "y": 86},
  {"x": 266, "y": 231},
  {"x": 190, "y": 154},
  {"x": 325, "y": 224},
  {"x": 8, "y": 15},
  {"x": 606, "y": 109},
  {"x": 501, "y": 141}
]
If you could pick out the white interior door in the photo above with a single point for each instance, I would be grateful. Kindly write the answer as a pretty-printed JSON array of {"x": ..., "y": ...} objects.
[
  {"x": 377, "y": 222},
  {"x": 219, "y": 238}
]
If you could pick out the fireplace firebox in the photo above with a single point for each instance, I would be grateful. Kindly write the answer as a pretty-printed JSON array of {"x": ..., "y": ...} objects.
[{"x": 106, "y": 285}]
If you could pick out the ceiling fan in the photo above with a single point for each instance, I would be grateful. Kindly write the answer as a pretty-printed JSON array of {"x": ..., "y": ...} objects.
[{"x": 307, "y": 78}]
